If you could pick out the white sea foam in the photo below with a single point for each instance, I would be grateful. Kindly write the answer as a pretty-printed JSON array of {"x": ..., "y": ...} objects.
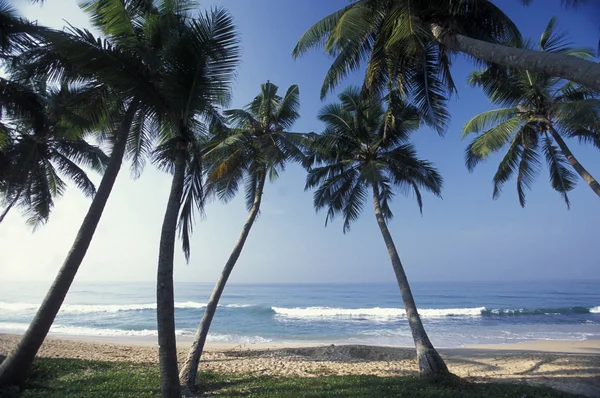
[
  {"x": 595, "y": 310},
  {"x": 88, "y": 308},
  {"x": 107, "y": 332},
  {"x": 18, "y": 306},
  {"x": 236, "y": 338},
  {"x": 372, "y": 313},
  {"x": 81, "y": 330}
]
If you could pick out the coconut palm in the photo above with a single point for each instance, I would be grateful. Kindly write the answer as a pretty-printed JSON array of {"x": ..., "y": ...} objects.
[
  {"x": 119, "y": 70},
  {"x": 256, "y": 147},
  {"x": 353, "y": 155},
  {"x": 407, "y": 44},
  {"x": 34, "y": 159},
  {"x": 538, "y": 113},
  {"x": 200, "y": 67}
]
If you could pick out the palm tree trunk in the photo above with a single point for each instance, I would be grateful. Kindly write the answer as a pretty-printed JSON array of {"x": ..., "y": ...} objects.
[
  {"x": 430, "y": 362},
  {"x": 14, "y": 368},
  {"x": 10, "y": 205},
  {"x": 190, "y": 368},
  {"x": 587, "y": 177},
  {"x": 165, "y": 302},
  {"x": 558, "y": 65}
]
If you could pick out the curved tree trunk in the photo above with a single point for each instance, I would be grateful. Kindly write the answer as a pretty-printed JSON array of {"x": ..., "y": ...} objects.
[
  {"x": 190, "y": 368},
  {"x": 587, "y": 177},
  {"x": 165, "y": 302},
  {"x": 558, "y": 65},
  {"x": 430, "y": 362},
  {"x": 10, "y": 205},
  {"x": 14, "y": 368}
]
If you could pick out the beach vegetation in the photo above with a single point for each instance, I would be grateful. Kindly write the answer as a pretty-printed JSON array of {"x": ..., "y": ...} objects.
[{"x": 75, "y": 378}]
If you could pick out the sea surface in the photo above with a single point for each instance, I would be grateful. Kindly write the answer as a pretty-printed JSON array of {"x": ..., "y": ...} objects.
[{"x": 454, "y": 314}]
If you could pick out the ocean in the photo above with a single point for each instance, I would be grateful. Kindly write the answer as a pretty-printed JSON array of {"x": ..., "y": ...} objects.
[{"x": 454, "y": 313}]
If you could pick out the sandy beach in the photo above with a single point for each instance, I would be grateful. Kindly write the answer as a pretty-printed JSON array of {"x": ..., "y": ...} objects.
[{"x": 571, "y": 366}]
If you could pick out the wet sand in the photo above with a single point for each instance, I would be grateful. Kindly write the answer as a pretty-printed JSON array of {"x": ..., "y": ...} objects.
[{"x": 571, "y": 366}]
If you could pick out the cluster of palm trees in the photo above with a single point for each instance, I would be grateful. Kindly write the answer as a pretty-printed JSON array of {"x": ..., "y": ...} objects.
[{"x": 155, "y": 86}]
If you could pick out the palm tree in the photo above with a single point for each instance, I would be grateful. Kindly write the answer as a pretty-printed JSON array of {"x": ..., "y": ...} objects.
[
  {"x": 408, "y": 43},
  {"x": 119, "y": 70},
  {"x": 538, "y": 111},
  {"x": 353, "y": 154},
  {"x": 34, "y": 160},
  {"x": 200, "y": 67},
  {"x": 257, "y": 147}
]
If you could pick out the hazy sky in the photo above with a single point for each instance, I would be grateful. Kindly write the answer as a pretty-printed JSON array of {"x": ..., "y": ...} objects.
[{"x": 465, "y": 236}]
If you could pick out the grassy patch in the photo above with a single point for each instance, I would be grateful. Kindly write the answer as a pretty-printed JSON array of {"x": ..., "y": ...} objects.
[{"x": 78, "y": 378}]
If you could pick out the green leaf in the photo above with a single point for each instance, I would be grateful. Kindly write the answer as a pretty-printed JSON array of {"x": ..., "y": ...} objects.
[
  {"x": 490, "y": 141},
  {"x": 486, "y": 120},
  {"x": 562, "y": 178}
]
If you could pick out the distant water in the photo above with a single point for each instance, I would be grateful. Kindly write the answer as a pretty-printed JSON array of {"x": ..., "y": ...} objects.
[{"x": 454, "y": 314}]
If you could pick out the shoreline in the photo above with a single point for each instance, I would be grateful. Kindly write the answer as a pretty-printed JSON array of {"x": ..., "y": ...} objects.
[{"x": 586, "y": 347}]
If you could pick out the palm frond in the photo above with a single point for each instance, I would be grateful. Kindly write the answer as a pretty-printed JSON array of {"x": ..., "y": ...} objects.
[
  {"x": 486, "y": 120},
  {"x": 490, "y": 141},
  {"x": 529, "y": 165},
  {"x": 562, "y": 178},
  {"x": 192, "y": 201},
  {"x": 288, "y": 108},
  {"x": 507, "y": 167},
  {"x": 75, "y": 174},
  {"x": 316, "y": 35}
]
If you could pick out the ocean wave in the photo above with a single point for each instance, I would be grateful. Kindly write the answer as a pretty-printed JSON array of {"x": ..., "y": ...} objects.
[
  {"x": 382, "y": 314},
  {"x": 538, "y": 311},
  {"x": 370, "y": 313},
  {"x": 92, "y": 308},
  {"x": 107, "y": 332}
]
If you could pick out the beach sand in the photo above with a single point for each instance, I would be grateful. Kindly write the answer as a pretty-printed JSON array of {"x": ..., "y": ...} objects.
[{"x": 571, "y": 366}]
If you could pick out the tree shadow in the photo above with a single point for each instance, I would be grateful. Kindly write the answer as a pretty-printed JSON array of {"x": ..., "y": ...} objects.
[{"x": 537, "y": 366}]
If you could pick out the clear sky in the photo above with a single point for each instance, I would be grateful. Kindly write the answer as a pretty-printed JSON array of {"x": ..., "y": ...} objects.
[{"x": 465, "y": 236}]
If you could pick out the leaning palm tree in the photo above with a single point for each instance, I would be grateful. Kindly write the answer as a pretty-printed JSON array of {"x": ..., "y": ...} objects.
[
  {"x": 407, "y": 43},
  {"x": 353, "y": 155},
  {"x": 119, "y": 68},
  {"x": 256, "y": 147},
  {"x": 34, "y": 160},
  {"x": 538, "y": 113}
]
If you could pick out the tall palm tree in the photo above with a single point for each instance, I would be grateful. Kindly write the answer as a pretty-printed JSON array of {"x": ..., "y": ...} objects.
[
  {"x": 200, "y": 67},
  {"x": 407, "y": 43},
  {"x": 538, "y": 111},
  {"x": 353, "y": 155},
  {"x": 34, "y": 159},
  {"x": 256, "y": 147},
  {"x": 119, "y": 68}
]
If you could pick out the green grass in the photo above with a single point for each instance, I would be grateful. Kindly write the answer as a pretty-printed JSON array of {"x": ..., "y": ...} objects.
[{"x": 78, "y": 378}]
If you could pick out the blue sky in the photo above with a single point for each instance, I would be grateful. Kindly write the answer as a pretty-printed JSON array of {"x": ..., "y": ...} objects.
[{"x": 464, "y": 236}]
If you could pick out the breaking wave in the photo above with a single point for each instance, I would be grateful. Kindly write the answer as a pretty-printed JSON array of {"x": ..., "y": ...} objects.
[{"x": 89, "y": 308}]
